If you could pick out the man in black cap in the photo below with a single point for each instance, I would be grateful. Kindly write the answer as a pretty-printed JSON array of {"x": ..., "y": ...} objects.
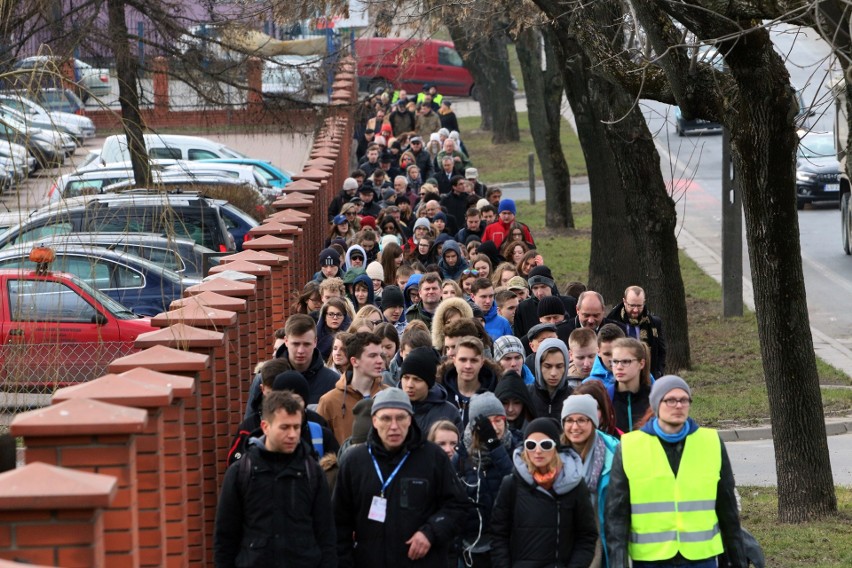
[
  {"x": 393, "y": 307},
  {"x": 329, "y": 260},
  {"x": 429, "y": 400},
  {"x": 367, "y": 193},
  {"x": 541, "y": 284},
  {"x": 534, "y": 336},
  {"x": 397, "y": 497}
]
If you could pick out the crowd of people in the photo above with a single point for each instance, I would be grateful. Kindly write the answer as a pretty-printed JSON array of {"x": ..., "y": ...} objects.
[{"x": 434, "y": 399}]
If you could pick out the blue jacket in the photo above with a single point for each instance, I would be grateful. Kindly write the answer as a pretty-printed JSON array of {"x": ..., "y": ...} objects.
[
  {"x": 496, "y": 325},
  {"x": 527, "y": 375},
  {"x": 611, "y": 444},
  {"x": 601, "y": 373}
]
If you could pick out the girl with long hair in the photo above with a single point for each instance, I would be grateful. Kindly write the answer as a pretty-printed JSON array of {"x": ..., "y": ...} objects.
[
  {"x": 513, "y": 251},
  {"x": 309, "y": 300},
  {"x": 483, "y": 264},
  {"x": 338, "y": 360},
  {"x": 392, "y": 258},
  {"x": 632, "y": 371},
  {"x": 503, "y": 273}
]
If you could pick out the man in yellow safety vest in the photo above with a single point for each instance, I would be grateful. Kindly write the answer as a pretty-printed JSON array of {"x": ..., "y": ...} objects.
[{"x": 671, "y": 499}]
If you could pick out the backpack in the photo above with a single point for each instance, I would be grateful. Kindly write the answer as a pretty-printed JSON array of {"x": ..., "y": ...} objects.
[{"x": 244, "y": 474}]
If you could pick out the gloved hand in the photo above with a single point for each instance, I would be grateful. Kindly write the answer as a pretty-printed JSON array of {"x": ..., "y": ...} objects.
[{"x": 486, "y": 433}]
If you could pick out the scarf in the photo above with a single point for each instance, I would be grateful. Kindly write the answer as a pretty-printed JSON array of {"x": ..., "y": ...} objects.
[
  {"x": 646, "y": 329},
  {"x": 545, "y": 480},
  {"x": 670, "y": 438},
  {"x": 593, "y": 464}
]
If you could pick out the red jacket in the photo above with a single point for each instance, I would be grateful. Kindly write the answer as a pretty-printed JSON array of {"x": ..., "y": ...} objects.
[{"x": 498, "y": 231}]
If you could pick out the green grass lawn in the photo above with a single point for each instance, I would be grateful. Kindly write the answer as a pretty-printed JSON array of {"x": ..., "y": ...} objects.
[
  {"x": 727, "y": 374},
  {"x": 508, "y": 162}
]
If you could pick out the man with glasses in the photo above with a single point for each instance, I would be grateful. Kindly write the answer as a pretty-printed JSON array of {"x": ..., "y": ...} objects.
[
  {"x": 671, "y": 499},
  {"x": 397, "y": 497},
  {"x": 363, "y": 380},
  {"x": 633, "y": 315}
]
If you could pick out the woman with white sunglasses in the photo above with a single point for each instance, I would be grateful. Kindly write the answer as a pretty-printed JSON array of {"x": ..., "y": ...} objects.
[{"x": 543, "y": 515}]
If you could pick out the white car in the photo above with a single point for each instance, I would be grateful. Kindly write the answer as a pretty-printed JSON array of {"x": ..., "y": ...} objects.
[
  {"x": 81, "y": 128},
  {"x": 166, "y": 146}
]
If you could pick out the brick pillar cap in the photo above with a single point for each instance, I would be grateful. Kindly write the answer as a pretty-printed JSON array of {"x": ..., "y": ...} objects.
[
  {"x": 242, "y": 266},
  {"x": 79, "y": 416},
  {"x": 180, "y": 336},
  {"x": 287, "y": 216},
  {"x": 321, "y": 161},
  {"x": 196, "y": 315},
  {"x": 270, "y": 242},
  {"x": 213, "y": 300},
  {"x": 162, "y": 358},
  {"x": 42, "y": 486},
  {"x": 295, "y": 213},
  {"x": 225, "y": 287},
  {"x": 312, "y": 175},
  {"x": 294, "y": 199},
  {"x": 182, "y": 387},
  {"x": 273, "y": 227},
  {"x": 232, "y": 274},
  {"x": 116, "y": 389},
  {"x": 258, "y": 256},
  {"x": 301, "y": 184}
]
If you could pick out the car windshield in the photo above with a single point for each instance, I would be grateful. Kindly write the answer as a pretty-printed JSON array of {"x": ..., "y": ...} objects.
[
  {"x": 816, "y": 146},
  {"x": 113, "y": 307}
]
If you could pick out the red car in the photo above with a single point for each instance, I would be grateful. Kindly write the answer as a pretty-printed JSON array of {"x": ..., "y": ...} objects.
[
  {"x": 57, "y": 330},
  {"x": 409, "y": 63}
]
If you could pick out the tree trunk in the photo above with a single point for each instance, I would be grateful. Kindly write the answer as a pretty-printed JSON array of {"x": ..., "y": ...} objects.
[
  {"x": 486, "y": 56},
  {"x": 544, "y": 105},
  {"x": 128, "y": 93},
  {"x": 763, "y": 146},
  {"x": 613, "y": 253}
]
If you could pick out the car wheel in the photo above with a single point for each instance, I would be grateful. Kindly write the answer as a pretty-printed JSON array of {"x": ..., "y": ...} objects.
[{"x": 845, "y": 225}]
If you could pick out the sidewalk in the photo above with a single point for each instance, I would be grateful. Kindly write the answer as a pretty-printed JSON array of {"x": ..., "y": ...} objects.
[{"x": 826, "y": 348}]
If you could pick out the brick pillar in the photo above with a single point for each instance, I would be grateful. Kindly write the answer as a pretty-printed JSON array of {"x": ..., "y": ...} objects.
[
  {"x": 95, "y": 437},
  {"x": 254, "y": 77},
  {"x": 260, "y": 252},
  {"x": 174, "y": 459},
  {"x": 53, "y": 516},
  {"x": 177, "y": 361},
  {"x": 298, "y": 204},
  {"x": 286, "y": 245},
  {"x": 150, "y": 446},
  {"x": 161, "y": 86}
]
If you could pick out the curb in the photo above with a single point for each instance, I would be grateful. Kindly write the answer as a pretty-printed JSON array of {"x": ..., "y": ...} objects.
[{"x": 833, "y": 427}]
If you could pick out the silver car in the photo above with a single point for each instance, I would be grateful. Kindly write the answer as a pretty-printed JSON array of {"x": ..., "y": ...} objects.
[
  {"x": 81, "y": 128},
  {"x": 90, "y": 81}
]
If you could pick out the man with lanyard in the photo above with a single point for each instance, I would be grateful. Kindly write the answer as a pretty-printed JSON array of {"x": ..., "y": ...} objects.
[
  {"x": 671, "y": 499},
  {"x": 397, "y": 499}
]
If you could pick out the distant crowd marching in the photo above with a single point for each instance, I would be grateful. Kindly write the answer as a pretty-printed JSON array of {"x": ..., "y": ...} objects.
[{"x": 434, "y": 399}]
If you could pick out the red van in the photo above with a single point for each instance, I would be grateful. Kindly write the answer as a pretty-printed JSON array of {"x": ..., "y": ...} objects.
[{"x": 409, "y": 63}]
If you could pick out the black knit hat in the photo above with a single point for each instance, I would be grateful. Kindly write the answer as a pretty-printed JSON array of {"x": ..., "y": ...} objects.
[
  {"x": 549, "y": 306},
  {"x": 421, "y": 362},
  {"x": 292, "y": 381},
  {"x": 540, "y": 271},
  {"x": 392, "y": 297},
  {"x": 547, "y": 426},
  {"x": 329, "y": 257},
  {"x": 511, "y": 386}
]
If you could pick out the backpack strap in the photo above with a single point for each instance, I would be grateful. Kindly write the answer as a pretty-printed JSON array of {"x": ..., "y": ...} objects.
[{"x": 244, "y": 473}]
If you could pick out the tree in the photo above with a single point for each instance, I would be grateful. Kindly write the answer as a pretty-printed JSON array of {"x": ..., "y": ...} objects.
[
  {"x": 544, "y": 86},
  {"x": 756, "y": 102}
]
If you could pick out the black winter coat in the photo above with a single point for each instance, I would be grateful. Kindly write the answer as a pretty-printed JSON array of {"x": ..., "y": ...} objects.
[
  {"x": 279, "y": 517},
  {"x": 320, "y": 378},
  {"x": 546, "y": 405},
  {"x": 536, "y": 528},
  {"x": 436, "y": 407},
  {"x": 425, "y": 495},
  {"x": 527, "y": 316}
]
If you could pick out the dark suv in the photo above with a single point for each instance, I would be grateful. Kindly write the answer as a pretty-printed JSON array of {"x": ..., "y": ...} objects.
[
  {"x": 178, "y": 215},
  {"x": 817, "y": 169}
]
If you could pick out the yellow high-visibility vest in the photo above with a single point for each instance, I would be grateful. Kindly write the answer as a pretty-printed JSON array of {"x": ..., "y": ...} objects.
[{"x": 673, "y": 514}]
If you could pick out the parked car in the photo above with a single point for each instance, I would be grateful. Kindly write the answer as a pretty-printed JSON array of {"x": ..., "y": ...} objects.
[
  {"x": 89, "y": 80},
  {"x": 181, "y": 214},
  {"x": 243, "y": 174},
  {"x": 409, "y": 63},
  {"x": 274, "y": 177},
  {"x": 311, "y": 69},
  {"x": 47, "y": 147},
  {"x": 81, "y": 128},
  {"x": 817, "y": 169},
  {"x": 138, "y": 284},
  {"x": 56, "y": 329},
  {"x": 239, "y": 222},
  {"x": 167, "y": 146},
  {"x": 64, "y": 100},
  {"x": 283, "y": 81}
]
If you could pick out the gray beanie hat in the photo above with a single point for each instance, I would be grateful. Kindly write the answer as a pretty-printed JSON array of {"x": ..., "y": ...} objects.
[
  {"x": 391, "y": 398},
  {"x": 663, "y": 386},
  {"x": 507, "y": 344},
  {"x": 485, "y": 404},
  {"x": 584, "y": 404},
  {"x": 422, "y": 222}
]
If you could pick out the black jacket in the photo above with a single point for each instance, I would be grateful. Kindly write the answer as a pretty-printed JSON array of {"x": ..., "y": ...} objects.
[
  {"x": 425, "y": 495},
  {"x": 250, "y": 429},
  {"x": 546, "y": 405},
  {"x": 535, "y": 528},
  {"x": 527, "y": 316},
  {"x": 436, "y": 407},
  {"x": 425, "y": 163},
  {"x": 320, "y": 378},
  {"x": 275, "y": 513},
  {"x": 617, "y": 510},
  {"x": 650, "y": 332},
  {"x": 628, "y": 405},
  {"x": 450, "y": 382}
]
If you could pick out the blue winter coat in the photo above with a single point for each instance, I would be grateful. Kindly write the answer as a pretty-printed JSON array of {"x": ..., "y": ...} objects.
[{"x": 496, "y": 325}]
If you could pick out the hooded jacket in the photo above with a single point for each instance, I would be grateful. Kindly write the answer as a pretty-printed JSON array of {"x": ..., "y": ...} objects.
[
  {"x": 487, "y": 383},
  {"x": 336, "y": 405},
  {"x": 320, "y": 378},
  {"x": 436, "y": 407},
  {"x": 545, "y": 403},
  {"x": 425, "y": 495},
  {"x": 601, "y": 373},
  {"x": 513, "y": 389},
  {"x": 371, "y": 296},
  {"x": 631, "y": 409},
  {"x": 413, "y": 283},
  {"x": 617, "y": 510},
  {"x": 284, "y": 520},
  {"x": 349, "y": 254},
  {"x": 534, "y": 527},
  {"x": 438, "y": 320},
  {"x": 452, "y": 272},
  {"x": 496, "y": 325}
]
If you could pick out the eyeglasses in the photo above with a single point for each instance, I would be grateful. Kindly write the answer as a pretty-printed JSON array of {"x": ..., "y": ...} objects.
[
  {"x": 674, "y": 402},
  {"x": 471, "y": 271},
  {"x": 334, "y": 315},
  {"x": 577, "y": 421},
  {"x": 634, "y": 306},
  {"x": 350, "y": 213},
  {"x": 622, "y": 362},
  {"x": 545, "y": 445}
]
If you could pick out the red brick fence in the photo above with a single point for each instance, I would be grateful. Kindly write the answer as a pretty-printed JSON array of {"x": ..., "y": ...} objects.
[{"x": 125, "y": 470}]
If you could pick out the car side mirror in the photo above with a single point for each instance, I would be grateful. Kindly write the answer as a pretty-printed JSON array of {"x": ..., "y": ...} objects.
[{"x": 99, "y": 319}]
